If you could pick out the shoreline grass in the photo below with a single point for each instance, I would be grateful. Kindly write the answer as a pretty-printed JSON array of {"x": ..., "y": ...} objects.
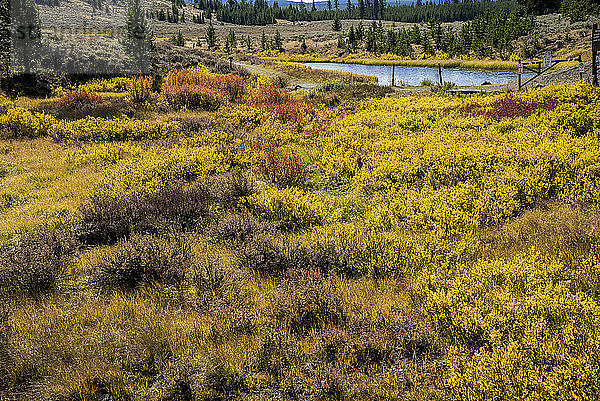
[{"x": 300, "y": 71}]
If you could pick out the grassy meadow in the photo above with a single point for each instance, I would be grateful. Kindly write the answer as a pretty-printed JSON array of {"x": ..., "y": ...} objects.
[{"x": 223, "y": 238}]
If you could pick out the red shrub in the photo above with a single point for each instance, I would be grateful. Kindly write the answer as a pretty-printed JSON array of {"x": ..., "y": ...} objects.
[
  {"x": 281, "y": 168},
  {"x": 279, "y": 102},
  {"x": 471, "y": 109},
  {"x": 508, "y": 107},
  {"x": 270, "y": 95},
  {"x": 80, "y": 99}
]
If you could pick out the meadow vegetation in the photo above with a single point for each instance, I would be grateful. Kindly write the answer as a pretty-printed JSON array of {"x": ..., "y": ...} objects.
[{"x": 243, "y": 242}]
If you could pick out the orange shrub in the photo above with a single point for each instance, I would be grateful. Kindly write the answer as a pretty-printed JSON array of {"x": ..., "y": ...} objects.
[
  {"x": 198, "y": 88},
  {"x": 79, "y": 99},
  {"x": 193, "y": 96},
  {"x": 232, "y": 85},
  {"x": 271, "y": 95}
]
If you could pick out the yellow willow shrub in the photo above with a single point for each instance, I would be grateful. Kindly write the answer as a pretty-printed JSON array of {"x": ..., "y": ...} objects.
[
  {"x": 101, "y": 155},
  {"x": 525, "y": 327},
  {"x": 227, "y": 145},
  {"x": 355, "y": 137},
  {"x": 577, "y": 120},
  {"x": 449, "y": 211},
  {"x": 292, "y": 207},
  {"x": 419, "y": 161},
  {"x": 567, "y": 169},
  {"x": 563, "y": 92},
  {"x": 243, "y": 116},
  {"x": 369, "y": 251},
  {"x": 105, "y": 85},
  {"x": 411, "y": 104},
  {"x": 519, "y": 371},
  {"x": 281, "y": 133},
  {"x": 112, "y": 129},
  {"x": 449, "y": 150},
  {"x": 510, "y": 161},
  {"x": 155, "y": 168},
  {"x": 22, "y": 123},
  {"x": 60, "y": 92},
  {"x": 257, "y": 83}
]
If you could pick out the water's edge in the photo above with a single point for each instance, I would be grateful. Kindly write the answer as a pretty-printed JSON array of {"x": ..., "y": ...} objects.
[{"x": 413, "y": 75}]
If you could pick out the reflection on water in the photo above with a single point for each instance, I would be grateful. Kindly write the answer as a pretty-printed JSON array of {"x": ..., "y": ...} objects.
[{"x": 415, "y": 75}]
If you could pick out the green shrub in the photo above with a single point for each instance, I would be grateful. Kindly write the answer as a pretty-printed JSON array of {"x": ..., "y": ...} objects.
[
  {"x": 209, "y": 377},
  {"x": 276, "y": 354},
  {"x": 230, "y": 189},
  {"x": 323, "y": 257},
  {"x": 212, "y": 279},
  {"x": 364, "y": 345}
]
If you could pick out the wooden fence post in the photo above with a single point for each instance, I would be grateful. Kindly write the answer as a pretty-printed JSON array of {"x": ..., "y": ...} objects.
[{"x": 594, "y": 55}]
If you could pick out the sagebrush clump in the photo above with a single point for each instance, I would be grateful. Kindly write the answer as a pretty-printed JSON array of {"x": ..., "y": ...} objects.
[{"x": 143, "y": 260}]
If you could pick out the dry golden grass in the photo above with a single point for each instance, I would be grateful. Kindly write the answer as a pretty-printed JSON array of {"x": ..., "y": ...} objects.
[{"x": 44, "y": 186}]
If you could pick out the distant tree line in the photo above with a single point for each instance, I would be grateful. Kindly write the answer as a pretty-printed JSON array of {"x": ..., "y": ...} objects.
[
  {"x": 260, "y": 13},
  {"x": 244, "y": 12},
  {"x": 489, "y": 34}
]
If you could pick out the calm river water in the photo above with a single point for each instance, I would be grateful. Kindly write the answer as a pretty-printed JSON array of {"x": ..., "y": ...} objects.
[{"x": 414, "y": 75}]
